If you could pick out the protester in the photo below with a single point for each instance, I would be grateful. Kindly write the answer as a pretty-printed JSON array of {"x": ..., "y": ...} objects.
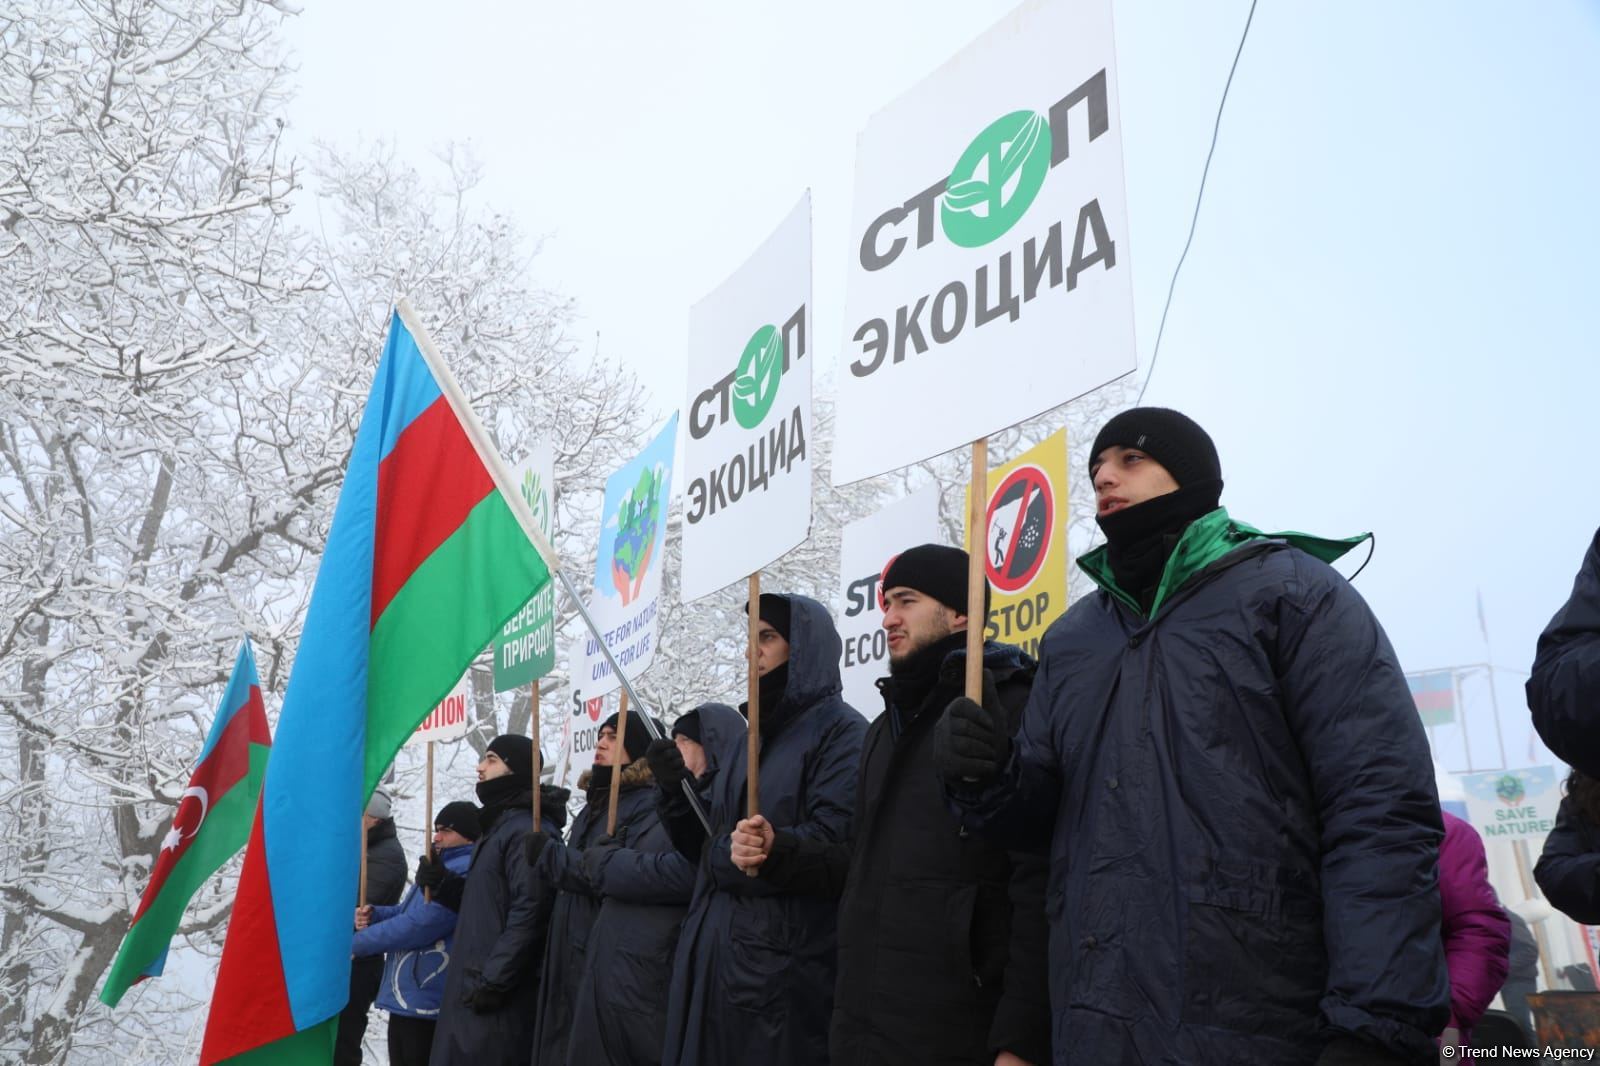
[
  {"x": 1477, "y": 934},
  {"x": 1568, "y": 870},
  {"x": 1564, "y": 688},
  {"x": 492, "y": 986},
  {"x": 754, "y": 973},
  {"x": 386, "y": 879},
  {"x": 941, "y": 936},
  {"x": 1224, "y": 759},
  {"x": 574, "y": 868},
  {"x": 620, "y": 1004},
  {"x": 414, "y": 940},
  {"x": 1522, "y": 979}
]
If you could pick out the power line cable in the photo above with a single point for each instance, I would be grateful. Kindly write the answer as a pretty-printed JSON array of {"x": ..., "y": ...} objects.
[{"x": 1199, "y": 196}]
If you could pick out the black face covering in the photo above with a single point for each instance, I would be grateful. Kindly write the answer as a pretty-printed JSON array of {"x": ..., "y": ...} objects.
[
  {"x": 500, "y": 792},
  {"x": 912, "y": 678},
  {"x": 1139, "y": 539}
]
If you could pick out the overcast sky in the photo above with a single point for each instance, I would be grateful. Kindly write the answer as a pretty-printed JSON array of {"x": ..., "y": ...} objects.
[{"x": 1387, "y": 320}]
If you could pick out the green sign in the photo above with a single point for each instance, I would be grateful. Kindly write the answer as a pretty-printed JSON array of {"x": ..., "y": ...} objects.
[
  {"x": 996, "y": 178},
  {"x": 755, "y": 383},
  {"x": 524, "y": 649}
]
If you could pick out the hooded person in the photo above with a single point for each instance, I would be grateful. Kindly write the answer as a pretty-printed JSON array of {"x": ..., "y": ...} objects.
[
  {"x": 414, "y": 940},
  {"x": 1564, "y": 688},
  {"x": 575, "y": 868},
  {"x": 754, "y": 972},
  {"x": 941, "y": 933},
  {"x": 1223, "y": 758},
  {"x": 1476, "y": 931},
  {"x": 386, "y": 879},
  {"x": 492, "y": 985}
]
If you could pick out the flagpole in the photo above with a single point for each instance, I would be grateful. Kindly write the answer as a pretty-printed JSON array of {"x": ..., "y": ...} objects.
[
  {"x": 753, "y": 706},
  {"x": 361, "y": 888},
  {"x": 483, "y": 444},
  {"x": 977, "y": 606}
]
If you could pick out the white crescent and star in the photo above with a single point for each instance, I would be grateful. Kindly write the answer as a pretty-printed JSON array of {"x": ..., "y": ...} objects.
[{"x": 177, "y": 835}]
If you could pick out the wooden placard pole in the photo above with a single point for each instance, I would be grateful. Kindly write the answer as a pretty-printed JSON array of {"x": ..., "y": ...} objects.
[
  {"x": 977, "y": 613},
  {"x": 616, "y": 768},
  {"x": 753, "y": 705},
  {"x": 1529, "y": 891},
  {"x": 538, "y": 750},
  {"x": 427, "y": 817}
]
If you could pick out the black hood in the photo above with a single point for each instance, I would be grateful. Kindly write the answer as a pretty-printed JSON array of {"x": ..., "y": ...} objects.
[
  {"x": 722, "y": 733},
  {"x": 814, "y": 651}
]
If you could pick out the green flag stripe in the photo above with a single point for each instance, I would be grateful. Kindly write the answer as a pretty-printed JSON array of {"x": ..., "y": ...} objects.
[
  {"x": 308, "y": 1047},
  {"x": 225, "y": 830},
  {"x": 442, "y": 617}
]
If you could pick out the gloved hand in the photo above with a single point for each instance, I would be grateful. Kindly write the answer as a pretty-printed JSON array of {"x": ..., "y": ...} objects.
[
  {"x": 485, "y": 998},
  {"x": 971, "y": 741},
  {"x": 1348, "y": 1051},
  {"x": 430, "y": 872},
  {"x": 533, "y": 845},
  {"x": 595, "y": 857},
  {"x": 448, "y": 894},
  {"x": 666, "y": 763}
]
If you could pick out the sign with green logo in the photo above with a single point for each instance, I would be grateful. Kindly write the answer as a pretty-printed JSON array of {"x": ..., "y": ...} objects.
[
  {"x": 747, "y": 456},
  {"x": 989, "y": 277},
  {"x": 1513, "y": 803},
  {"x": 524, "y": 649}
]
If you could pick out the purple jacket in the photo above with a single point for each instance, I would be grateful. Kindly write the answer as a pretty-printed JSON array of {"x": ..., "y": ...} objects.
[{"x": 1476, "y": 931}]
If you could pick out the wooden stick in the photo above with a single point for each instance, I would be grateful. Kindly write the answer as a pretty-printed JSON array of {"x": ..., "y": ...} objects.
[
  {"x": 977, "y": 533},
  {"x": 538, "y": 750},
  {"x": 427, "y": 829},
  {"x": 1529, "y": 891},
  {"x": 361, "y": 889},
  {"x": 753, "y": 695},
  {"x": 616, "y": 764}
]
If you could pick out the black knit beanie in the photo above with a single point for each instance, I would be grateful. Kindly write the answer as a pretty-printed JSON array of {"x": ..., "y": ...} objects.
[
  {"x": 1171, "y": 438},
  {"x": 935, "y": 570},
  {"x": 516, "y": 751},
  {"x": 688, "y": 725},
  {"x": 638, "y": 737},
  {"x": 775, "y": 612},
  {"x": 460, "y": 816}
]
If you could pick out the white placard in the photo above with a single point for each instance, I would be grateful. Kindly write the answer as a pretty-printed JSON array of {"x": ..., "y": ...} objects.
[
  {"x": 989, "y": 270},
  {"x": 1508, "y": 804},
  {"x": 747, "y": 459},
  {"x": 447, "y": 721},
  {"x": 867, "y": 547}
]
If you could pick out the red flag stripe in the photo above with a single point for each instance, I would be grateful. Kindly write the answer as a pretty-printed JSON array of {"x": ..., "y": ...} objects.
[{"x": 433, "y": 451}]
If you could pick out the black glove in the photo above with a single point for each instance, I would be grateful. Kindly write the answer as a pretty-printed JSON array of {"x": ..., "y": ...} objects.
[
  {"x": 972, "y": 742},
  {"x": 448, "y": 893},
  {"x": 1348, "y": 1051},
  {"x": 430, "y": 872},
  {"x": 595, "y": 857},
  {"x": 485, "y": 998},
  {"x": 533, "y": 845},
  {"x": 666, "y": 763}
]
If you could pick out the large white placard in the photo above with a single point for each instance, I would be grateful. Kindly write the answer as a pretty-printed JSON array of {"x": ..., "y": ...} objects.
[
  {"x": 746, "y": 455},
  {"x": 868, "y": 545},
  {"x": 1513, "y": 803},
  {"x": 989, "y": 276}
]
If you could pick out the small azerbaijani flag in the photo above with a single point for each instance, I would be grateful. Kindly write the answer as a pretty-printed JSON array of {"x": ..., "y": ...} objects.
[
  {"x": 1435, "y": 696},
  {"x": 211, "y": 824},
  {"x": 431, "y": 550}
]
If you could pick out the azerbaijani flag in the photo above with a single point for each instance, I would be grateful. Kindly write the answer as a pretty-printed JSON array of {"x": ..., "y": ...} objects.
[
  {"x": 431, "y": 550},
  {"x": 210, "y": 825},
  {"x": 1435, "y": 696}
]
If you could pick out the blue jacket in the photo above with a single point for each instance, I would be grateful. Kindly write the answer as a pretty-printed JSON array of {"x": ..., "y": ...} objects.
[
  {"x": 1238, "y": 800},
  {"x": 754, "y": 973},
  {"x": 1564, "y": 688},
  {"x": 414, "y": 937}
]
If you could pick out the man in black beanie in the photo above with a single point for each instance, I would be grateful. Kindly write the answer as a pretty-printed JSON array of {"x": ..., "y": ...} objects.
[
  {"x": 492, "y": 986},
  {"x": 906, "y": 859},
  {"x": 1224, "y": 761}
]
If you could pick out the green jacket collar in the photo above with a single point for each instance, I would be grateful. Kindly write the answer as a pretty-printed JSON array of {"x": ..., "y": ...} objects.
[{"x": 1207, "y": 539}]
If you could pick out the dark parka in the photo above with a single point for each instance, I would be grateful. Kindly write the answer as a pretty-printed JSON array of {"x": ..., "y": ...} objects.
[
  {"x": 942, "y": 934},
  {"x": 386, "y": 865},
  {"x": 1568, "y": 870},
  {"x": 500, "y": 933},
  {"x": 574, "y": 869},
  {"x": 1564, "y": 688},
  {"x": 620, "y": 1005},
  {"x": 754, "y": 973},
  {"x": 1239, "y": 802}
]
